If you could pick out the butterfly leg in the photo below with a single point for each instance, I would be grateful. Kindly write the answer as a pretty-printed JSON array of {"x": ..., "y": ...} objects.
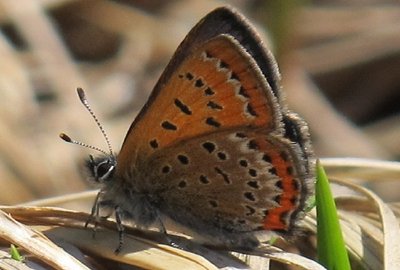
[
  {"x": 165, "y": 233},
  {"x": 95, "y": 212},
  {"x": 120, "y": 228},
  {"x": 163, "y": 230},
  {"x": 94, "y": 215}
]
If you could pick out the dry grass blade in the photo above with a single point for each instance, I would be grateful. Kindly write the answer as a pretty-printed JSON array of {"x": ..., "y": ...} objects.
[
  {"x": 68, "y": 226},
  {"x": 296, "y": 260},
  {"x": 64, "y": 199},
  {"x": 36, "y": 243},
  {"x": 389, "y": 236},
  {"x": 138, "y": 251},
  {"x": 366, "y": 169}
]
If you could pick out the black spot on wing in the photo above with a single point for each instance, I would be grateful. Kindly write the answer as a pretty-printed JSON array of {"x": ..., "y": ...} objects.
[
  {"x": 224, "y": 175},
  {"x": 183, "y": 107},
  {"x": 183, "y": 159},
  {"x": 209, "y": 146},
  {"x": 221, "y": 156},
  {"x": 168, "y": 125},
  {"x": 243, "y": 92},
  {"x": 209, "y": 92},
  {"x": 212, "y": 122},
  {"x": 154, "y": 144},
  {"x": 249, "y": 196},
  {"x": 213, "y": 105},
  {"x": 189, "y": 76},
  {"x": 199, "y": 83},
  {"x": 251, "y": 110}
]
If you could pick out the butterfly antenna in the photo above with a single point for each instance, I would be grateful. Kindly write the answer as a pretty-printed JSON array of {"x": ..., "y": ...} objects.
[
  {"x": 68, "y": 139},
  {"x": 85, "y": 103}
]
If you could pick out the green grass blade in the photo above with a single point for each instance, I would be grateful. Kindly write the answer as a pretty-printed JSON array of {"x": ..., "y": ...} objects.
[
  {"x": 331, "y": 249},
  {"x": 15, "y": 254}
]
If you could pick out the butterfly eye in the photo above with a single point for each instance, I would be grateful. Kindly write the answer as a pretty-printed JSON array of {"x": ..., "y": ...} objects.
[
  {"x": 101, "y": 169},
  {"x": 104, "y": 170}
]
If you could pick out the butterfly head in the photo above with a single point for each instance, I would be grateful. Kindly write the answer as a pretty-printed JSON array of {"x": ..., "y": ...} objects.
[{"x": 101, "y": 169}]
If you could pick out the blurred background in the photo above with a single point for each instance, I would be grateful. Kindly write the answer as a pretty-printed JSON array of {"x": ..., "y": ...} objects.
[{"x": 340, "y": 65}]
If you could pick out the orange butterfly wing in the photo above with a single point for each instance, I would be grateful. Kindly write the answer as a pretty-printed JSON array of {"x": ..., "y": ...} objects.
[{"x": 217, "y": 87}]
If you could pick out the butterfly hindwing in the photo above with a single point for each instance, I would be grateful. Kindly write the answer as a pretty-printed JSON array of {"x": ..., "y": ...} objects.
[{"x": 258, "y": 173}]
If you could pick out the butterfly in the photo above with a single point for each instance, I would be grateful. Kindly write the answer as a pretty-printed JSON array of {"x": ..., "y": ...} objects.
[{"x": 214, "y": 148}]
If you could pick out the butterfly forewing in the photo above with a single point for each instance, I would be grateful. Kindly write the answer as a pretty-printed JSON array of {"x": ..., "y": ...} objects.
[{"x": 219, "y": 86}]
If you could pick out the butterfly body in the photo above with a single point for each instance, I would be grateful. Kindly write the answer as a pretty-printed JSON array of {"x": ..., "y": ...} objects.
[{"x": 214, "y": 148}]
